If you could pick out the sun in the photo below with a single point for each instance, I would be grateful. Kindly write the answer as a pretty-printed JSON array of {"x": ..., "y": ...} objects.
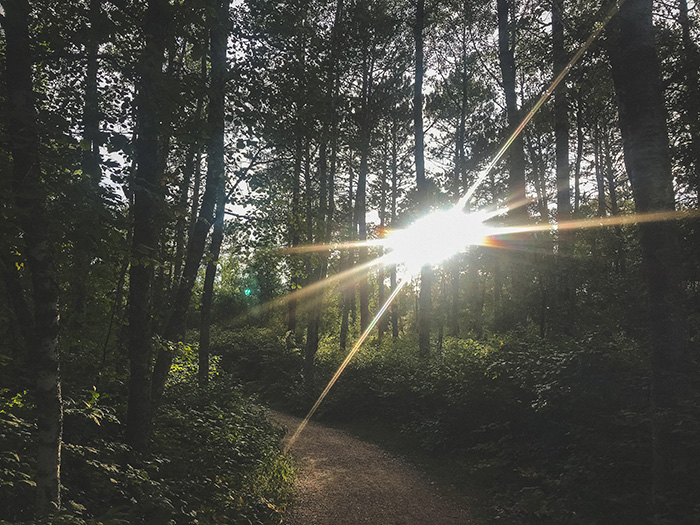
[{"x": 436, "y": 237}]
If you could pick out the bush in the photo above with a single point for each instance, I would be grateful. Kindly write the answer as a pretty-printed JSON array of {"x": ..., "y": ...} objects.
[
  {"x": 560, "y": 424},
  {"x": 261, "y": 360},
  {"x": 223, "y": 458},
  {"x": 216, "y": 459}
]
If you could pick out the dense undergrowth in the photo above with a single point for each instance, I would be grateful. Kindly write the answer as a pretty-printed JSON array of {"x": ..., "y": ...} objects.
[
  {"x": 215, "y": 459},
  {"x": 541, "y": 431}
]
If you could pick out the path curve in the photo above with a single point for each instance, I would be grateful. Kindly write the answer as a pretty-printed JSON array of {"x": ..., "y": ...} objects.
[{"x": 344, "y": 481}]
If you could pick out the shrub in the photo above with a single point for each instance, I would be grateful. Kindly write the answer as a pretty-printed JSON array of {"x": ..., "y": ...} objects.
[
  {"x": 263, "y": 361},
  {"x": 216, "y": 459}
]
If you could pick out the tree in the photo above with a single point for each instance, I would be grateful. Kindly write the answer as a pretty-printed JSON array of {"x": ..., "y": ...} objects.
[
  {"x": 146, "y": 187},
  {"x": 561, "y": 137},
  {"x": 425, "y": 298},
  {"x": 365, "y": 131},
  {"x": 691, "y": 62},
  {"x": 326, "y": 169},
  {"x": 30, "y": 195},
  {"x": 175, "y": 328},
  {"x": 516, "y": 153},
  {"x": 637, "y": 79}
]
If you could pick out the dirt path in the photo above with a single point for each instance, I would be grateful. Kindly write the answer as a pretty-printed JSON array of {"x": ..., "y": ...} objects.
[{"x": 345, "y": 481}]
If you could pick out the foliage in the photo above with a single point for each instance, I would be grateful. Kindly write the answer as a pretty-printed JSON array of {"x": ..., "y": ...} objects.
[
  {"x": 316, "y": 86},
  {"x": 216, "y": 460},
  {"x": 223, "y": 458},
  {"x": 559, "y": 424},
  {"x": 16, "y": 462},
  {"x": 262, "y": 360}
]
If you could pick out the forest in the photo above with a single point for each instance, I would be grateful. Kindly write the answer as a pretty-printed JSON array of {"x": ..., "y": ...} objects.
[{"x": 485, "y": 212}]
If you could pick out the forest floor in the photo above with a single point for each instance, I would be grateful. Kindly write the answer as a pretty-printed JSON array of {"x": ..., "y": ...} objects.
[{"x": 342, "y": 480}]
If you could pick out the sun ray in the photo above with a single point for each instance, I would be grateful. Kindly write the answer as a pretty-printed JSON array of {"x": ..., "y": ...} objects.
[
  {"x": 562, "y": 74},
  {"x": 599, "y": 222},
  {"x": 350, "y": 245},
  {"x": 316, "y": 287},
  {"x": 423, "y": 233},
  {"x": 344, "y": 365}
]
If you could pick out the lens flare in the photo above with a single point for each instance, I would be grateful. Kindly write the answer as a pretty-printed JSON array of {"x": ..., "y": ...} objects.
[
  {"x": 344, "y": 364},
  {"x": 436, "y": 237},
  {"x": 442, "y": 234}
]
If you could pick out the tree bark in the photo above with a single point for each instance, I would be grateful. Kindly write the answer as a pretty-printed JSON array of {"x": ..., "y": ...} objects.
[
  {"x": 637, "y": 80},
  {"x": 381, "y": 275},
  {"x": 692, "y": 106},
  {"x": 425, "y": 295},
  {"x": 564, "y": 293},
  {"x": 610, "y": 173},
  {"x": 176, "y": 326},
  {"x": 459, "y": 182},
  {"x": 579, "y": 151},
  {"x": 91, "y": 166},
  {"x": 394, "y": 199},
  {"x": 30, "y": 196},
  {"x": 295, "y": 237},
  {"x": 217, "y": 238},
  {"x": 190, "y": 171},
  {"x": 516, "y": 156},
  {"x": 147, "y": 197},
  {"x": 561, "y": 128},
  {"x": 516, "y": 180},
  {"x": 600, "y": 181},
  {"x": 346, "y": 264},
  {"x": 365, "y": 130}
]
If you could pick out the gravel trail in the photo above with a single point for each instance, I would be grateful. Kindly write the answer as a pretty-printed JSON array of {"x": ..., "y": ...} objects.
[{"x": 345, "y": 481}]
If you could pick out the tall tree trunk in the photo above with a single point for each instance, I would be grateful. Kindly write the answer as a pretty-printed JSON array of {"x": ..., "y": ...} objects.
[
  {"x": 191, "y": 170},
  {"x": 347, "y": 295},
  {"x": 564, "y": 293},
  {"x": 534, "y": 147},
  {"x": 29, "y": 196},
  {"x": 394, "y": 199},
  {"x": 176, "y": 325},
  {"x": 579, "y": 151},
  {"x": 363, "y": 252},
  {"x": 347, "y": 262},
  {"x": 316, "y": 274},
  {"x": 147, "y": 201},
  {"x": 619, "y": 260},
  {"x": 381, "y": 275},
  {"x": 475, "y": 291},
  {"x": 197, "y": 173},
  {"x": 610, "y": 173},
  {"x": 637, "y": 80},
  {"x": 181, "y": 224},
  {"x": 295, "y": 237},
  {"x": 516, "y": 180},
  {"x": 498, "y": 313},
  {"x": 425, "y": 298},
  {"x": 91, "y": 165},
  {"x": 600, "y": 181},
  {"x": 217, "y": 238},
  {"x": 691, "y": 63},
  {"x": 516, "y": 155},
  {"x": 459, "y": 182},
  {"x": 561, "y": 128},
  {"x": 91, "y": 113},
  {"x": 326, "y": 190},
  {"x": 361, "y": 198}
]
